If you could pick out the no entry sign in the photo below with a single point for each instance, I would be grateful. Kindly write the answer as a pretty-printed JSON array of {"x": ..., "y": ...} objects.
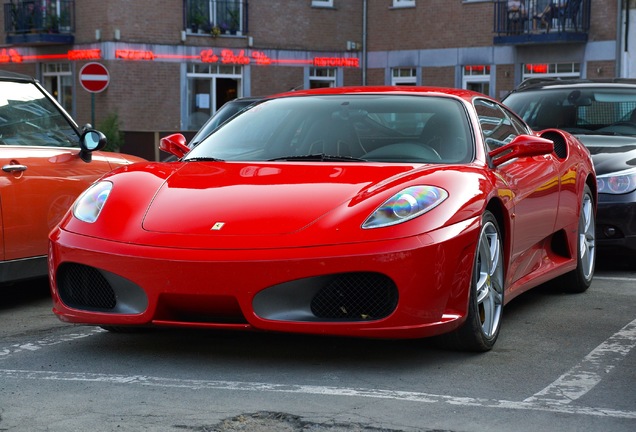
[{"x": 94, "y": 77}]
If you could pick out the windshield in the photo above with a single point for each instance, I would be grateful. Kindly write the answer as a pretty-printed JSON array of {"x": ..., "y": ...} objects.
[
  {"x": 28, "y": 118},
  {"x": 389, "y": 128},
  {"x": 585, "y": 110}
]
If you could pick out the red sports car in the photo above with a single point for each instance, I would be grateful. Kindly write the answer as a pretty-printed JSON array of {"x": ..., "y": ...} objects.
[{"x": 387, "y": 212}]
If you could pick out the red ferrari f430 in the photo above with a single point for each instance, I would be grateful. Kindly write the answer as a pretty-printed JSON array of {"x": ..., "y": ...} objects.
[{"x": 385, "y": 212}]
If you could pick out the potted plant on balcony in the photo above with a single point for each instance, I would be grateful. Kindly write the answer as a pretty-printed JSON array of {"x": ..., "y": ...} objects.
[
  {"x": 234, "y": 22},
  {"x": 197, "y": 20},
  {"x": 52, "y": 24}
]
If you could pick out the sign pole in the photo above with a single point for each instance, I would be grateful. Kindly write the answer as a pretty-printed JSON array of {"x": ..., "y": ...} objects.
[{"x": 93, "y": 110}]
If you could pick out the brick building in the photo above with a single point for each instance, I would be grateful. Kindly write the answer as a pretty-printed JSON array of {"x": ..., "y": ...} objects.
[{"x": 172, "y": 63}]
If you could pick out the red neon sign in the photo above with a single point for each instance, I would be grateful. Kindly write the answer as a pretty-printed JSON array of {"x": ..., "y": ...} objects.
[
  {"x": 10, "y": 56},
  {"x": 13, "y": 56},
  {"x": 336, "y": 62},
  {"x": 134, "y": 54},
  {"x": 261, "y": 59},
  {"x": 86, "y": 54},
  {"x": 226, "y": 56}
]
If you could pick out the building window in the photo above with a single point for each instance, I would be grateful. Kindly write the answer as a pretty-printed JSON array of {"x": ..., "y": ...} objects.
[
  {"x": 322, "y": 77},
  {"x": 476, "y": 78},
  {"x": 403, "y": 3},
  {"x": 322, "y": 3},
  {"x": 58, "y": 80},
  {"x": 545, "y": 70},
  {"x": 216, "y": 16},
  {"x": 403, "y": 76},
  {"x": 209, "y": 87}
]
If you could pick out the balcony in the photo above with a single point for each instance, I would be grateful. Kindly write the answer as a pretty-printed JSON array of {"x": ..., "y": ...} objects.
[
  {"x": 215, "y": 17},
  {"x": 564, "y": 21},
  {"x": 39, "y": 22}
]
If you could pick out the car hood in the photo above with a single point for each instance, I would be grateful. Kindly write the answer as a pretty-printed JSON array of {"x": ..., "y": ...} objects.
[
  {"x": 257, "y": 199},
  {"x": 610, "y": 153}
]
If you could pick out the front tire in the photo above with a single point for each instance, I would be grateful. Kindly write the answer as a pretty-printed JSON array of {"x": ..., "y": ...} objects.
[{"x": 485, "y": 304}]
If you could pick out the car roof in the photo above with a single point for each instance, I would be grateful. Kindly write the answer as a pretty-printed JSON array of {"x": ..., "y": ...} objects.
[
  {"x": 12, "y": 76},
  {"x": 561, "y": 83},
  {"x": 393, "y": 90}
]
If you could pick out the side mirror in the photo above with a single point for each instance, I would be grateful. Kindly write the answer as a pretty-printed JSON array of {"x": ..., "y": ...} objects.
[
  {"x": 521, "y": 146},
  {"x": 91, "y": 140},
  {"x": 174, "y": 144}
]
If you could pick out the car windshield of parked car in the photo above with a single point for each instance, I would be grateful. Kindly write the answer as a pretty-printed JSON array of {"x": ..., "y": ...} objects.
[
  {"x": 383, "y": 128},
  {"x": 584, "y": 110},
  {"x": 28, "y": 118}
]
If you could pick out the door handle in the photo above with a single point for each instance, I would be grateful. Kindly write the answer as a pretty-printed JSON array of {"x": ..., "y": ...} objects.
[{"x": 14, "y": 168}]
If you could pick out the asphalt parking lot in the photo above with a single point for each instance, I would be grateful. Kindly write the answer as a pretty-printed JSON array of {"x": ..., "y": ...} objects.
[{"x": 563, "y": 362}]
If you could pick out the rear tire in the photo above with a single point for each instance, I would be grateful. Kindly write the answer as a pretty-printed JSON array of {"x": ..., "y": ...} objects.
[
  {"x": 580, "y": 279},
  {"x": 485, "y": 304}
]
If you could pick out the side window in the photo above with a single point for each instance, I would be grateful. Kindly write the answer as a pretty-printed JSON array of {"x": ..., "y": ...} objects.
[
  {"x": 518, "y": 124},
  {"x": 496, "y": 127},
  {"x": 29, "y": 118}
]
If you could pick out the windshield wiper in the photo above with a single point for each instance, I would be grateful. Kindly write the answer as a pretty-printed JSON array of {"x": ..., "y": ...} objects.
[
  {"x": 318, "y": 157},
  {"x": 204, "y": 159}
]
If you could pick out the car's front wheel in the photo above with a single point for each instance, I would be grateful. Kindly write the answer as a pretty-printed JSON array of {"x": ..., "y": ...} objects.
[{"x": 485, "y": 304}]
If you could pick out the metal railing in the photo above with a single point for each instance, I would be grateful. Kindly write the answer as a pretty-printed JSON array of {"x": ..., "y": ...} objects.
[
  {"x": 39, "y": 16},
  {"x": 216, "y": 17},
  {"x": 542, "y": 17}
]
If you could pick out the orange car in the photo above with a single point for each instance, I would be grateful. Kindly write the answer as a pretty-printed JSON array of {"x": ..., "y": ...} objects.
[{"x": 47, "y": 161}]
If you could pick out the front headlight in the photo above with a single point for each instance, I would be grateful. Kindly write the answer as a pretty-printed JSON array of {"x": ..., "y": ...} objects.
[
  {"x": 617, "y": 183},
  {"x": 406, "y": 205},
  {"x": 90, "y": 203}
]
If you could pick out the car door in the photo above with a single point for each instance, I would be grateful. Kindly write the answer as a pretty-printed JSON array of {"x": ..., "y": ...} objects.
[
  {"x": 41, "y": 173},
  {"x": 534, "y": 185}
]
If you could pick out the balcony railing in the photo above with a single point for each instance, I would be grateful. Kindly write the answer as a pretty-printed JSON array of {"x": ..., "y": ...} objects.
[
  {"x": 541, "y": 21},
  {"x": 40, "y": 22},
  {"x": 216, "y": 17}
]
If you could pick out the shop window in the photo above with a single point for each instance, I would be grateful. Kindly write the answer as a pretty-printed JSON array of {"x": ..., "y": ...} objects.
[
  {"x": 322, "y": 3},
  {"x": 209, "y": 87},
  {"x": 476, "y": 78},
  {"x": 551, "y": 70},
  {"x": 403, "y": 76},
  {"x": 322, "y": 77},
  {"x": 403, "y": 3},
  {"x": 58, "y": 80}
]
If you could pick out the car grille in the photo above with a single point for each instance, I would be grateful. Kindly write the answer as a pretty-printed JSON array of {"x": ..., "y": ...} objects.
[
  {"x": 84, "y": 287},
  {"x": 356, "y": 296}
]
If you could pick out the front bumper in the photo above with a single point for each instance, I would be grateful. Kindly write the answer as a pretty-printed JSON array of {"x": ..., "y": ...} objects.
[
  {"x": 616, "y": 222},
  {"x": 423, "y": 285}
]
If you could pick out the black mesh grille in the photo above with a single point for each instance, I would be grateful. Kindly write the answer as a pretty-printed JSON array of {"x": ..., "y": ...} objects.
[
  {"x": 84, "y": 287},
  {"x": 356, "y": 296},
  {"x": 560, "y": 147}
]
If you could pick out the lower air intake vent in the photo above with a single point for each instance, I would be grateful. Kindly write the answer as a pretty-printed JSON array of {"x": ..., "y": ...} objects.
[
  {"x": 356, "y": 296},
  {"x": 84, "y": 287}
]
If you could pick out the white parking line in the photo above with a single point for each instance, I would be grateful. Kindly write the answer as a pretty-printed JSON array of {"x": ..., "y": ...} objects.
[
  {"x": 588, "y": 373},
  {"x": 615, "y": 278},
  {"x": 307, "y": 389},
  {"x": 556, "y": 397},
  {"x": 5, "y": 352}
]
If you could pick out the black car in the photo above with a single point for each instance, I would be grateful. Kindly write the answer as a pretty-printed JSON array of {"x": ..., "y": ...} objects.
[
  {"x": 226, "y": 111},
  {"x": 221, "y": 115},
  {"x": 602, "y": 115}
]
